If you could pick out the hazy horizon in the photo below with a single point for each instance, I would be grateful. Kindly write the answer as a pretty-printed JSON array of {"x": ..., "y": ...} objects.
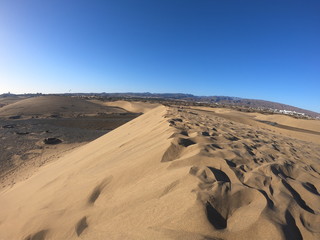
[{"x": 250, "y": 49}]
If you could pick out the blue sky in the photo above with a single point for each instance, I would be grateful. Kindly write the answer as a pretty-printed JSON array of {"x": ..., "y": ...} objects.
[{"x": 262, "y": 49}]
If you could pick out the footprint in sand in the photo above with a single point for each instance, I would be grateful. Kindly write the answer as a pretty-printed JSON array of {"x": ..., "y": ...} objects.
[
  {"x": 81, "y": 225},
  {"x": 38, "y": 235},
  {"x": 97, "y": 190}
]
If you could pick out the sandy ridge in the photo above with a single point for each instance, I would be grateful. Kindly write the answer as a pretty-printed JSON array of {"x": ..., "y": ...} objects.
[
  {"x": 173, "y": 173},
  {"x": 136, "y": 107}
]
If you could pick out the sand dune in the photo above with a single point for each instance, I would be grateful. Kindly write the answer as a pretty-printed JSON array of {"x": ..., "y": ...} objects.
[
  {"x": 173, "y": 173},
  {"x": 48, "y": 105},
  {"x": 136, "y": 107},
  {"x": 297, "y": 128},
  {"x": 313, "y": 125},
  {"x": 9, "y": 100},
  {"x": 25, "y": 124}
]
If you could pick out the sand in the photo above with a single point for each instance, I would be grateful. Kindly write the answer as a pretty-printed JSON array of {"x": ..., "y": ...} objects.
[
  {"x": 281, "y": 124},
  {"x": 136, "y": 107},
  {"x": 74, "y": 121},
  {"x": 60, "y": 105},
  {"x": 9, "y": 100},
  {"x": 174, "y": 173},
  {"x": 313, "y": 125}
]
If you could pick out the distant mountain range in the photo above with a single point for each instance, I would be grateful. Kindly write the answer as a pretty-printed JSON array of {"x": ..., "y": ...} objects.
[{"x": 224, "y": 100}]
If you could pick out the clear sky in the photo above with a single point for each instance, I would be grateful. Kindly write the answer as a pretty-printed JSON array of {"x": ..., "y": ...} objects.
[{"x": 262, "y": 49}]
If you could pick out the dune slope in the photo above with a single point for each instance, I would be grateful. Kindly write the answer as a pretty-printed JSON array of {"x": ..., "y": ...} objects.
[
  {"x": 172, "y": 174},
  {"x": 136, "y": 107},
  {"x": 47, "y": 105}
]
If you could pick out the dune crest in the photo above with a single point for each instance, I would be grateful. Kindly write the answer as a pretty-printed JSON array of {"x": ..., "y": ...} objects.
[
  {"x": 172, "y": 173},
  {"x": 136, "y": 107}
]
